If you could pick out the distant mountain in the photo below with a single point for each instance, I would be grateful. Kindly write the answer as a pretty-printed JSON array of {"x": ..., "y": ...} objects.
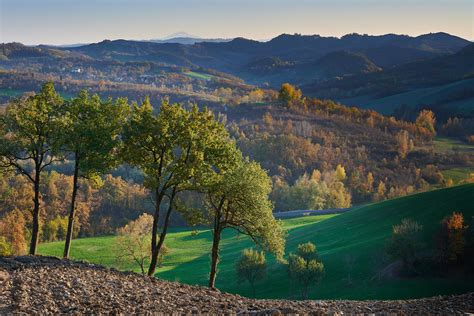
[
  {"x": 187, "y": 39},
  {"x": 11, "y": 51},
  {"x": 178, "y": 34},
  {"x": 236, "y": 56},
  {"x": 190, "y": 40}
]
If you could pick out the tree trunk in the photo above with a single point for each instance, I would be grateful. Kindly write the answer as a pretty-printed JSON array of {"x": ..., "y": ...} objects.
[
  {"x": 36, "y": 213},
  {"x": 216, "y": 238},
  {"x": 158, "y": 246},
  {"x": 154, "y": 234},
  {"x": 70, "y": 224}
]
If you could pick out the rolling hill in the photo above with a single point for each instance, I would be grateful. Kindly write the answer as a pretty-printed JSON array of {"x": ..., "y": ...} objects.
[
  {"x": 433, "y": 83},
  {"x": 359, "y": 234},
  {"x": 233, "y": 56}
]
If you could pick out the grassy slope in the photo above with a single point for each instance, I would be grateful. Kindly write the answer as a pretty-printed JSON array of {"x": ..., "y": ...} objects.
[
  {"x": 446, "y": 145},
  {"x": 361, "y": 233},
  {"x": 420, "y": 96},
  {"x": 199, "y": 75}
]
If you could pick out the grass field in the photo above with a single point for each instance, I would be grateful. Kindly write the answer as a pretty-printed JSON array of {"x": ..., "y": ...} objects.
[
  {"x": 361, "y": 233},
  {"x": 457, "y": 174},
  {"x": 199, "y": 75}
]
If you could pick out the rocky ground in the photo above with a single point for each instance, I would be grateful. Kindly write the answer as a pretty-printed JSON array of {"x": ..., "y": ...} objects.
[{"x": 46, "y": 285}]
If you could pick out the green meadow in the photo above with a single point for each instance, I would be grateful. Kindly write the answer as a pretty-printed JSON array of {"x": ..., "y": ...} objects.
[{"x": 359, "y": 234}]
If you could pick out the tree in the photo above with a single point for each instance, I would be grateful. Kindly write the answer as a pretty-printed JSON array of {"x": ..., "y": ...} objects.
[
  {"x": 381, "y": 189},
  {"x": 289, "y": 93},
  {"x": 370, "y": 182},
  {"x": 304, "y": 267},
  {"x": 12, "y": 229},
  {"x": 251, "y": 267},
  {"x": 133, "y": 241},
  {"x": 451, "y": 238},
  {"x": 426, "y": 120},
  {"x": 172, "y": 148},
  {"x": 340, "y": 172},
  {"x": 238, "y": 199},
  {"x": 405, "y": 244},
  {"x": 403, "y": 142},
  {"x": 93, "y": 127},
  {"x": 29, "y": 130}
]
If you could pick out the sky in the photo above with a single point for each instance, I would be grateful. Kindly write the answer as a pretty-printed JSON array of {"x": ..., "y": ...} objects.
[{"x": 60, "y": 22}]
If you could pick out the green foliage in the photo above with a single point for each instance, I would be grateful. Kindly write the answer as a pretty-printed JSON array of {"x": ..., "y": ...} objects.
[
  {"x": 30, "y": 128},
  {"x": 243, "y": 194},
  {"x": 30, "y": 132},
  {"x": 405, "y": 243},
  {"x": 251, "y": 267},
  {"x": 313, "y": 192},
  {"x": 5, "y": 247},
  {"x": 304, "y": 267},
  {"x": 177, "y": 150},
  {"x": 55, "y": 229},
  {"x": 92, "y": 131},
  {"x": 307, "y": 251},
  {"x": 237, "y": 197}
]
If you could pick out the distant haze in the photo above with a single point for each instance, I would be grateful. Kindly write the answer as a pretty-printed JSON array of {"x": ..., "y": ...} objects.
[{"x": 71, "y": 21}]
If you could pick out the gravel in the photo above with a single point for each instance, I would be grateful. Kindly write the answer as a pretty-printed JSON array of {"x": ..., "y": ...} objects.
[{"x": 48, "y": 285}]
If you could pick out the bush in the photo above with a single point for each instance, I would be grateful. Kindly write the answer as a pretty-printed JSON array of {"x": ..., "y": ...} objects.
[
  {"x": 133, "y": 243},
  {"x": 251, "y": 267},
  {"x": 304, "y": 267},
  {"x": 405, "y": 244},
  {"x": 289, "y": 93}
]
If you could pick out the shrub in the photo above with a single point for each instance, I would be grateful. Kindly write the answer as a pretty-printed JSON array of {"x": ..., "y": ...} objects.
[
  {"x": 133, "y": 242},
  {"x": 304, "y": 267},
  {"x": 251, "y": 267},
  {"x": 288, "y": 93},
  {"x": 405, "y": 244}
]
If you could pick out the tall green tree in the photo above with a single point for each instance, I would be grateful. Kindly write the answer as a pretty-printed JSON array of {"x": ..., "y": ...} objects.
[
  {"x": 91, "y": 139},
  {"x": 173, "y": 148},
  {"x": 29, "y": 133},
  {"x": 238, "y": 199}
]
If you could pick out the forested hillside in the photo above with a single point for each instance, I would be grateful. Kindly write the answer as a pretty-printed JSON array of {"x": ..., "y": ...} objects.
[{"x": 319, "y": 154}]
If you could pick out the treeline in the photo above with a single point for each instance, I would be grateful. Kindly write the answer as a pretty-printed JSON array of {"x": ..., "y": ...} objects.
[
  {"x": 101, "y": 206},
  {"x": 177, "y": 150}
]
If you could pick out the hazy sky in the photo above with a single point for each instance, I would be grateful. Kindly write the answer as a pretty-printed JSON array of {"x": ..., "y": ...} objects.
[{"x": 83, "y": 21}]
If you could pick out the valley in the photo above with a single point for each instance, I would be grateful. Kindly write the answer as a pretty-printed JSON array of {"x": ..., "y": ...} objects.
[{"x": 290, "y": 157}]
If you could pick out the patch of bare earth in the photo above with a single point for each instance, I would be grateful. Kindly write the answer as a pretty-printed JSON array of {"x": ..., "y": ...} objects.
[{"x": 46, "y": 285}]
